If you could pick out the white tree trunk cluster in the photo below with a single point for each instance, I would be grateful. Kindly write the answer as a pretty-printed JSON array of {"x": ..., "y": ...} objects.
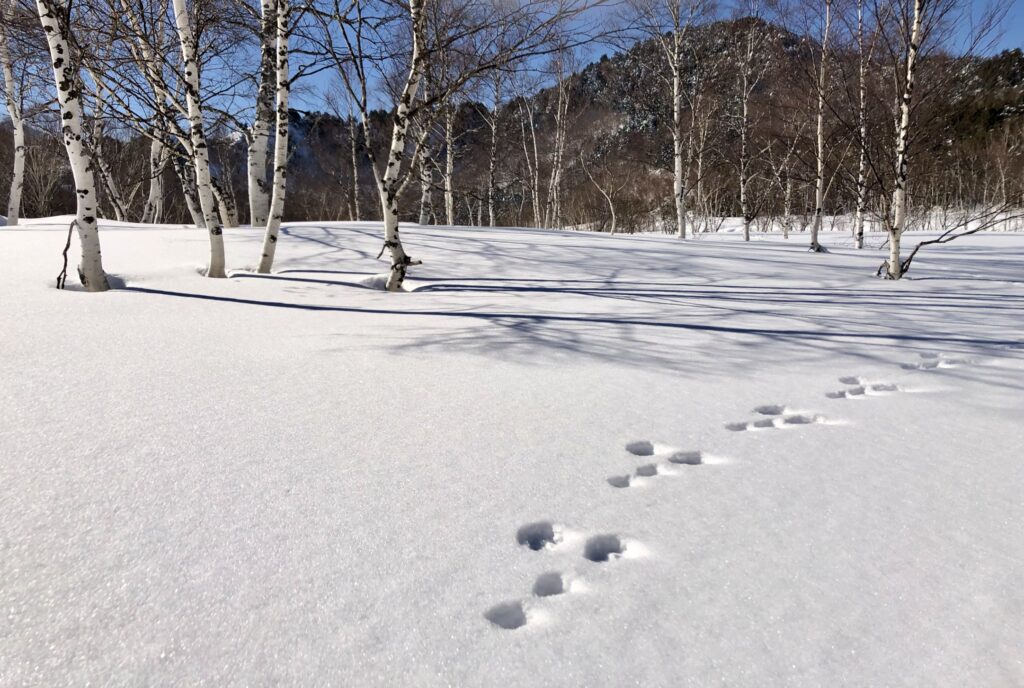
[{"x": 153, "y": 211}]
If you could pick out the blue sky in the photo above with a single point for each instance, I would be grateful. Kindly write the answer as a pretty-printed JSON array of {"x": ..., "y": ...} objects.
[
  {"x": 1011, "y": 35},
  {"x": 1012, "y": 28}
]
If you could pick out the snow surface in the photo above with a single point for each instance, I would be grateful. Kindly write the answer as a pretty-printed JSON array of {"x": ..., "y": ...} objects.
[{"x": 563, "y": 459}]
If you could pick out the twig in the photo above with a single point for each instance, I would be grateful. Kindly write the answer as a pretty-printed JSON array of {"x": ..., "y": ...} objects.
[{"x": 63, "y": 276}]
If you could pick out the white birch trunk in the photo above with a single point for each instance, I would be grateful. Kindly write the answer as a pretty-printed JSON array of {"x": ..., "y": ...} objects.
[
  {"x": 186, "y": 173},
  {"x": 224, "y": 196},
  {"x": 819, "y": 151},
  {"x": 492, "y": 158},
  {"x": 283, "y": 14},
  {"x": 449, "y": 165},
  {"x": 259, "y": 133},
  {"x": 68, "y": 82},
  {"x": 553, "y": 216},
  {"x": 354, "y": 144},
  {"x": 899, "y": 196},
  {"x": 862, "y": 133},
  {"x": 110, "y": 186},
  {"x": 744, "y": 124},
  {"x": 388, "y": 183},
  {"x": 17, "y": 125},
  {"x": 154, "y": 209},
  {"x": 603, "y": 192},
  {"x": 678, "y": 184},
  {"x": 532, "y": 160},
  {"x": 787, "y": 209},
  {"x": 197, "y": 138},
  {"x": 426, "y": 187}
]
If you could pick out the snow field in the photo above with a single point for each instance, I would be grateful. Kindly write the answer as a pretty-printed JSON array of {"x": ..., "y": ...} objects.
[{"x": 294, "y": 479}]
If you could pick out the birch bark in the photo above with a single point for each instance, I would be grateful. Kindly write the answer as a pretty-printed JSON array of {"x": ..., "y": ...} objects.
[
  {"x": 197, "y": 137},
  {"x": 894, "y": 268},
  {"x": 259, "y": 133},
  {"x": 283, "y": 14},
  {"x": 819, "y": 151},
  {"x": 12, "y": 97},
  {"x": 66, "y": 76}
]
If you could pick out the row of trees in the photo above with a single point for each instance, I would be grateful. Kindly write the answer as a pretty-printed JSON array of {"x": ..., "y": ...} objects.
[{"x": 849, "y": 106}]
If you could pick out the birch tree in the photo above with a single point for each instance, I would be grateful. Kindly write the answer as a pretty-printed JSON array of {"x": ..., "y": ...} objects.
[
  {"x": 12, "y": 97},
  {"x": 153, "y": 210},
  {"x": 668, "y": 22},
  {"x": 197, "y": 138},
  {"x": 359, "y": 43},
  {"x": 56, "y": 20},
  {"x": 819, "y": 139},
  {"x": 282, "y": 13},
  {"x": 259, "y": 133},
  {"x": 751, "y": 61},
  {"x": 111, "y": 188},
  {"x": 862, "y": 131},
  {"x": 493, "y": 119},
  {"x": 553, "y": 210}
]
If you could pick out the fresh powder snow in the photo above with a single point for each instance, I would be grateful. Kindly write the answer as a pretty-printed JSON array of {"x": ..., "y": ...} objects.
[{"x": 558, "y": 459}]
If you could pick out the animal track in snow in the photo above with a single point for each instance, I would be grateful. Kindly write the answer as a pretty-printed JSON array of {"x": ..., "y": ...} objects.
[
  {"x": 640, "y": 448},
  {"x": 620, "y": 480},
  {"x": 781, "y": 421},
  {"x": 687, "y": 458},
  {"x": 602, "y": 548},
  {"x": 550, "y": 584},
  {"x": 507, "y": 615},
  {"x": 770, "y": 410},
  {"x": 862, "y": 389},
  {"x": 647, "y": 470},
  {"x": 539, "y": 535},
  {"x": 933, "y": 361},
  {"x": 672, "y": 457}
]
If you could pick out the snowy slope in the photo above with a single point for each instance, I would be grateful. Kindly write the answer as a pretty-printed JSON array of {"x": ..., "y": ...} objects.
[{"x": 293, "y": 479}]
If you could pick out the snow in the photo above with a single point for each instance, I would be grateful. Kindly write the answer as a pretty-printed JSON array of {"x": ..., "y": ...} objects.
[{"x": 293, "y": 479}]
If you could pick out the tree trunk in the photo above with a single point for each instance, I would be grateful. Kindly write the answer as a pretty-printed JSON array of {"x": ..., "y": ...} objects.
[
  {"x": 449, "y": 164},
  {"x": 493, "y": 156},
  {"x": 154, "y": 209},
  {"x": 224, "y": 195},
  {"x": 186, "y": 174},
  {"x": 553, "y": 215},
  {"x": 259, "y": 134},
  {"x": 387, "y": 183},
  {"x": 678, "y": 177},
  {"x": 283, "y": 12},
  {"x": 426, "y": 187},
  {"x": 894, "y": 268},
  {"x": 819, "y": 151},
  {"x": 744, "y": 126},
  {"x": 354, "y": 143},
  {"x": 12, "y": 94},
  {"x": 68, "y": 82},
  {"x": 110, "y": 186},
  {"x": 862, "y": 134},
  {"x": 197, "y": 137},
  {"x": 787, "y": 208},
  {"x": 601, "y": 190}
]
